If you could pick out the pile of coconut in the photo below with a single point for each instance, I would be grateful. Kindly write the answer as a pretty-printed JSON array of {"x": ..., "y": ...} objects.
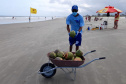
[{"x": 59, "y": 55}]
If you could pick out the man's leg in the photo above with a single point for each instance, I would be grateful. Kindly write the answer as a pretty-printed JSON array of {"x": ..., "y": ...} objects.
[
  {"x": 77, "y": 48},
  {"x": 78, "y": 41},
  {"x": 115, "y": 24},
  {"x": 71, "y": 47},
  {"x": 71, "y": 42}
]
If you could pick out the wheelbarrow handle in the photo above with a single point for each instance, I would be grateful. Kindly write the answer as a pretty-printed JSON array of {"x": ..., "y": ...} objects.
[
  {"x": 102, "y": 58},
  {"x": 93, "y": 50},
  {"x": 89, "y": 52},
  {"x": 91, "y": 61}
]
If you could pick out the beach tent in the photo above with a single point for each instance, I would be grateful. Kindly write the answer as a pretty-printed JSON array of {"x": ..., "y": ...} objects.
[{"x": 109, "y": 9}]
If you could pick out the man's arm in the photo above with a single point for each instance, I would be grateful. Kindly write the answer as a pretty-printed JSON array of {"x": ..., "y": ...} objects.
[
  {"x": 116, "y": 16},
  {"x": 68, "y": 28},
  {"x": 80, "y": 29},
  {"x": 81, "y": 24}
]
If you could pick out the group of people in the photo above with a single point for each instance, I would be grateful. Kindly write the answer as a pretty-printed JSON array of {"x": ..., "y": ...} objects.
[
  {"x": 75, "y": 20},
  {"x": 96, "y": 19},
  {"x": 30, "y": 18},
  {"x": 88, "y": 18}
]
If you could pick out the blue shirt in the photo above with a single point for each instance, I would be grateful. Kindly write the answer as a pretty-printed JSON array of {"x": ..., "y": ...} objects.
[{"x": 75, "y": 22}]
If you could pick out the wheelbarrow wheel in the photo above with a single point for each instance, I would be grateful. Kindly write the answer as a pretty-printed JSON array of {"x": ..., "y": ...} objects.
[{"x": 46, "y": 67}]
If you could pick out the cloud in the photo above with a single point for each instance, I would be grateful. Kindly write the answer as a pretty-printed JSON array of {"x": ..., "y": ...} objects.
[
  {"x": 85, "y": 5},
  {"x": 57, "y": 7},
  {"x": 52, "y": 7}
]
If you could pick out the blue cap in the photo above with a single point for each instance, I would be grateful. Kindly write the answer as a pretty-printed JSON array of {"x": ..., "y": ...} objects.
[{"x": 75, "y": 7}]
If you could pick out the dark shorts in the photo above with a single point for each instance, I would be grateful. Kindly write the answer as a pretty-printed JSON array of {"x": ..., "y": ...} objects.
[
  {"x": 77, "y": 40},
  {"x": 116, "y": 20}
]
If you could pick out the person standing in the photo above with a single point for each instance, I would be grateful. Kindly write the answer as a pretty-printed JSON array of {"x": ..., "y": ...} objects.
[
  {"x": 13, "y": 17},
  {"x": 76, "y": 21},
  {"x": 45, "y": 18},
  {"x": 86, "y": 18},
  {"x": 116, "y": 20},
  {"x": 29, "y": 18}
]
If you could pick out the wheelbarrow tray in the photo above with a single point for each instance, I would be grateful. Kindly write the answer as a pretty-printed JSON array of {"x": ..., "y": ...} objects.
[{"x": 67, "y": 63}]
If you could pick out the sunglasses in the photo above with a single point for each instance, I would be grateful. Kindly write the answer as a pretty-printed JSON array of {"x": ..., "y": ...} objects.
[{"x": 74, "y": 10}]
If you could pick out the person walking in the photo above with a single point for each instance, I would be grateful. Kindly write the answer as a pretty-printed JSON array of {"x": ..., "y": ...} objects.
[{"x": 76, "y": 21}]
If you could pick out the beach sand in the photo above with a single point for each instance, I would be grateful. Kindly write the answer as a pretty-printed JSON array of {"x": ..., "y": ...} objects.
[{"x": 24, "y": 48}]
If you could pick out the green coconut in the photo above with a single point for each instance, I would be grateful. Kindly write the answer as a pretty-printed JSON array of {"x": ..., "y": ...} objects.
[
  {"x": 79, "y": 53},
  {"x": 72, "y": 58},
  {"x": 72, "y": 34},
  {"x": 60, "y": 54},
  {"x": 56, "y": 51},
  {"x": 74, "y": 55},
  {"x": 58, "y": 58},
  {"x": 77, "y": 59},
  {"x": 69, "y": 55},
  {"x": 52, "y": 55}
]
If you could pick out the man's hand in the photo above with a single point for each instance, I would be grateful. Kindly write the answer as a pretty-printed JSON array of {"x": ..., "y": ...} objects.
[{"x": 77, "y": 33}]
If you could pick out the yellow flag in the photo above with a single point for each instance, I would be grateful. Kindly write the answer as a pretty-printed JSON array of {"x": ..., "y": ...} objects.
[{"x": 33, "y": 10}]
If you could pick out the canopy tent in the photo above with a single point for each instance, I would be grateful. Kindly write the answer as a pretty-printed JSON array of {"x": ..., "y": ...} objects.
[{"x": 109, "y": 9}]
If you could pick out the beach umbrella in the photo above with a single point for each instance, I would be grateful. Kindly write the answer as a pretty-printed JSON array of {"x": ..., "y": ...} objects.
[{"x": 109, "y": 9}]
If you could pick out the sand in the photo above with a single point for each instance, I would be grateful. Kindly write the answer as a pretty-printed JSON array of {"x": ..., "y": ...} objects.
[{"x": 24, "y": 47}]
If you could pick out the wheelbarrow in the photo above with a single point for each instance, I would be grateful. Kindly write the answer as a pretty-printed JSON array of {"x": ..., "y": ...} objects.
[{"x": 48, "y": 70}]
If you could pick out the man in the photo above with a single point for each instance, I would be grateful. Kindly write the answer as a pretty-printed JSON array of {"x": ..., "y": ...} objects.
[
  {"x": 116, "y": 20},
  {"x": 76, "y": 21}
]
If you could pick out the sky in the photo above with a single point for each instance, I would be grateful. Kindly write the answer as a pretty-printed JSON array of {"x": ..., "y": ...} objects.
[{"x": 56, "y": 7}]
